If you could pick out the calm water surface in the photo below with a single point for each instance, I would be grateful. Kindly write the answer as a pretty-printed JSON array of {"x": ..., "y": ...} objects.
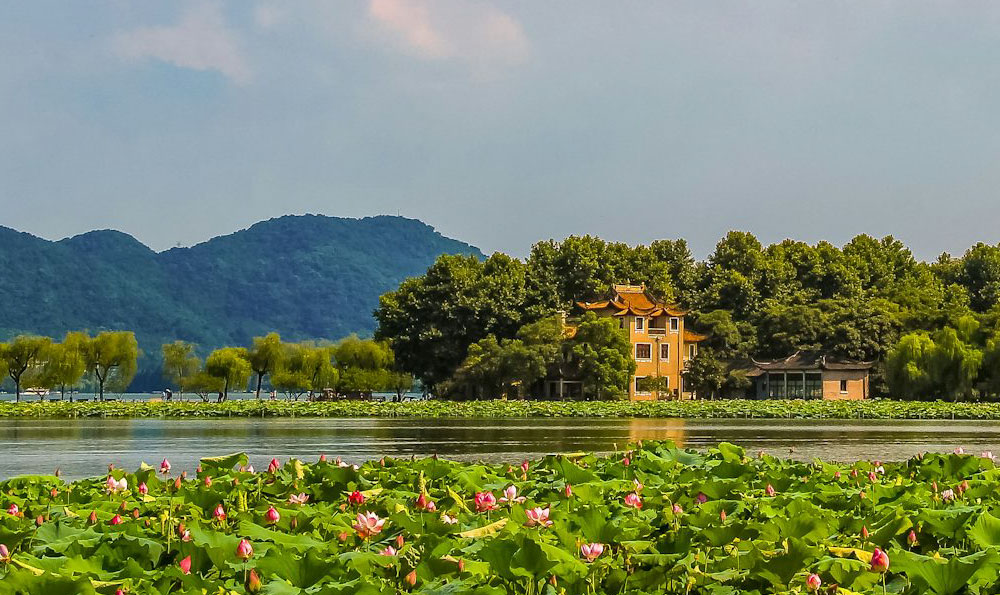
[{"x": 84, "y": 447}]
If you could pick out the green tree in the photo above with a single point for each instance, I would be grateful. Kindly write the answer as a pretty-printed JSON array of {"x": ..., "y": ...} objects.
[
  {"x": 265, "y": 356},
  {"x": 230, "y": 366},
  {"x": 113, "y": 358},
  {"x": 431, "y": 320},
  {"x": 24, "y": 357},
  {"x": 180, "y": 363},
  {"x": 705, "y": 374},
  {"x": 954, "y": 364},
  {"x": 305, "y": 368},
  {"x": 908, "y": 367},
  {"x": 64, "y": 363}
]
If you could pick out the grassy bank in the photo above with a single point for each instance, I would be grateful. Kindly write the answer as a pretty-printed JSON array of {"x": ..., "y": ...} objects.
[
  {"x": 875, "y": 409},
  {"x": 645, "y": 521}
]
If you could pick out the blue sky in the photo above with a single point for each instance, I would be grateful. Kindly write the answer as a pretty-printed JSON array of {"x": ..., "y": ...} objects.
[{"x": 505, "y": 123}]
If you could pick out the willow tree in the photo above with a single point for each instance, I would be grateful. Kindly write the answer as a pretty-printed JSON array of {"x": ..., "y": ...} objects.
[
  {"x": 229, "y": 365},
  {"x": 112, "y": 357},
  {"x": 265, "y": 355},
  {"x": 180, "y": 363},
  {"x": 23, "y": 355},
  {"x": 64, "y": 363}
]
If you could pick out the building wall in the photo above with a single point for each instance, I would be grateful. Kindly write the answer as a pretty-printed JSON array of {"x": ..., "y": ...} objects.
[
  {"x": 669, "y": 368},
  {"x": 856, "y": 380}
]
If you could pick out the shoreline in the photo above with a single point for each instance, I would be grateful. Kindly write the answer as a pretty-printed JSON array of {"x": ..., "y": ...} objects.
[{"x": 722, "y": 409}]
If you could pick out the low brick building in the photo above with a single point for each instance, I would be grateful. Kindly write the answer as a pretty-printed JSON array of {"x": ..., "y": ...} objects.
[{"x": 809, "y": 375}]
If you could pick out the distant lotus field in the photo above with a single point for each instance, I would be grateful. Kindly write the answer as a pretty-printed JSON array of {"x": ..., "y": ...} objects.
[
  {"x": 814, "y": 409},
  {"x": 650, "y": 519}
]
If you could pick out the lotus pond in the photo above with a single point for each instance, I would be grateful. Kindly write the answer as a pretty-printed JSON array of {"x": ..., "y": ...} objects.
[
  {"x": 735, "y": 408},
  {"x": 649, "y": 519}
]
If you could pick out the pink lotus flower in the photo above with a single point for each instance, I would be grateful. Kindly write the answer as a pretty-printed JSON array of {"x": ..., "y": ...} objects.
[
  {"x": 637, "y": 486},
  {"x": 988, "y": 454},
  {"x": 677, "y": 510},
  {"x": 568, "y": 490},
  {"x": 880, "y": 561},
  {"x": 701, "y": 498},
  {"x": 485, "y": 501},
  {"x": 300, "y": 498},
  {"x": 960, "y": 451},
  {"x": 272, "y": 516},
  {"x": 947, "y": 495},
  {"x": 769, "y": 490},
  {"x": 185, "y": 565},
  {"x": 165, "y": 467},
  {"x": 524, "y": 466},
  {"x": 632, "y": 500},
  {"x": 626, "y": 461},
  {"x": 4, "y": 553},
  {"x": 510, "y": 496},
  {"x": 591, "y": 551},
  {"x": 115, "y": 520},
  {"x": 447, "y": 519},
  {"x": 13, "y": 510},
  {"x": 911, "y": 538},
  {"x": 244, "y": 550},
  {"x": 273, "y": 466},
  {"x": 872, "y": 477},
  {"x": 368, "y": 524},
  {"x": 219, "y": 513},
  {"x": 538, "y": 517},
  {"x": 322, "y": 458},
  {"x": 836, "y": 475},
  {"x": 143, "y": 488},
  {"x": 207, "y": 481},
  {"x": 119, "y": 591},
  {"x": 186, "y": 535},
  {"x": 813, "y": 582},
  {"x": 355, "y": 498},
  {"x": 388, "y": 551}
]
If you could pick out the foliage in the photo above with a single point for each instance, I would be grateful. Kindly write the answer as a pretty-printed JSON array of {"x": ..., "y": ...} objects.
[
  {"x": 667, "y": 521},
  {"x": 180, "y": 363},
  {"x": 603, "y": 354},
  {"x": 112, "y": 357},
  {"x": 230, "y": 366},
  {"x": 265, "y": 355},
  {"x": 24, "y": 358},
  {"x": 306, "y": 368}
]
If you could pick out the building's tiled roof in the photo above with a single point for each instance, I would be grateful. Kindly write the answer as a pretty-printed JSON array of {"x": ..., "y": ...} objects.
[
  {"x": 811, "y": 360},
  {"x": 634, "y": 300},
  {"x": 693, "y": 337}
]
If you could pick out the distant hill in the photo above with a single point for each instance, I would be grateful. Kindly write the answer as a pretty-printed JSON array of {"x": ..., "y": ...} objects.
[{"x": 306, "y": 277}]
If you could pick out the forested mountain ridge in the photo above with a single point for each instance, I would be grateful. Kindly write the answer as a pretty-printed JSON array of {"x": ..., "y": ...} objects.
[{"x": 306, "y": 277}]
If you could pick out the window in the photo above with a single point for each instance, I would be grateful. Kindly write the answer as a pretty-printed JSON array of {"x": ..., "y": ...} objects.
[
  {"x": 665, "y": 352},
  {"x": 675, "y": 324},
  {"x": 638, "y": 384},
  {"x": 692, "y": 350},
  {"x": 643, "y": 352},
  {"x": 640, "y": 324},
  {"x": 814, "y": 386},
  {"x": 843, "y": 386}
]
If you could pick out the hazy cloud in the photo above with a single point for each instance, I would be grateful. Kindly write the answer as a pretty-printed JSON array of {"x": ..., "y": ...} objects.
[
  {"x": 474, "y": 32},
  {"x": 201, "y": 40}
]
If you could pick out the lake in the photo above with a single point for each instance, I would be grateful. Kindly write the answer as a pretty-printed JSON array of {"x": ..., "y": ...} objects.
[{"x": 84, "y": 447}]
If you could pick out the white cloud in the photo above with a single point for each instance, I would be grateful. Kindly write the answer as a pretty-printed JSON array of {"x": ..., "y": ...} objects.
[
  {"x": 451, "y": 29},
  {"x": 201, "y": 40}
]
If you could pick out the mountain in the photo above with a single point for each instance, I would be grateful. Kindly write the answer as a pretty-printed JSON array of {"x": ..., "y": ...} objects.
[{"x": 306, "y": 277}]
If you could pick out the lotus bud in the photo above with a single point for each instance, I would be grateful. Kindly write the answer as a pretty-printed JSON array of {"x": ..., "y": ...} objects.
[
  {"x": 53, "y": 493},
  {"x": 911, "y": 538},
  {"x": 343, "y": 536},
  {"x": 356, "y": 498},
  {"x": 115, "y": 520},
  {"x": 722, "y": 515},
  {"x": 143, "y": 488},
  {"x": 461, "y": 565},
  {"x": 864, "y": 532},
  {"x": 295, "y": 523},
  {"x": 244, "y": 550},
  {"x": 4, "y": 553},
  {"x": 813, "y": 582},
  {"x": 219, "y": 513},
  {"x": 399, "y": 541},
  {"x": 184, "y": 475},
  {"x": 177, "y": 483},
  {"x": 92, "y": 519},
  {"x": 880, "y": 561},
  {"x": 185, "y": 565},
  {"x": 165, "y": 467},
  {"x": 253, "y": 581},
  {"x": 273, "y": 466},
  {"x": 135, "y": 513},
  {"x": 769, "y": 490},
  {"x": 411, "y": 578},
  {"x": 568, "y": 490},
  {"x": 272, "y": 516},
  {"x": 208, "y": 481},
  {"x": 322, "y": 458},
  {"x": 39, "y": 520}
]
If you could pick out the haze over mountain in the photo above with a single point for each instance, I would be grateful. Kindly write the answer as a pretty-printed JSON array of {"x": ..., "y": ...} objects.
[{"x": 306, "y": 277}]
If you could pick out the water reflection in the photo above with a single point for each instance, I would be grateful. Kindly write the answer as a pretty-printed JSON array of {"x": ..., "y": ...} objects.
[{"x": 84, "y": 447}]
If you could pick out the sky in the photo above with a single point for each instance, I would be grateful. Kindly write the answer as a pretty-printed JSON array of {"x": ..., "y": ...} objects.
[{"x": 505, "y": 123}]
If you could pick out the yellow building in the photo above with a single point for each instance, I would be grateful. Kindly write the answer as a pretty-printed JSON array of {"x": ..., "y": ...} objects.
[{"x": 661, "y": 345}]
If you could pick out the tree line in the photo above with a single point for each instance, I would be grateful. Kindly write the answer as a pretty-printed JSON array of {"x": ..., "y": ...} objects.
[
  {"x": 109, "y": 361},
  {"x": 861, "y": 301}
]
